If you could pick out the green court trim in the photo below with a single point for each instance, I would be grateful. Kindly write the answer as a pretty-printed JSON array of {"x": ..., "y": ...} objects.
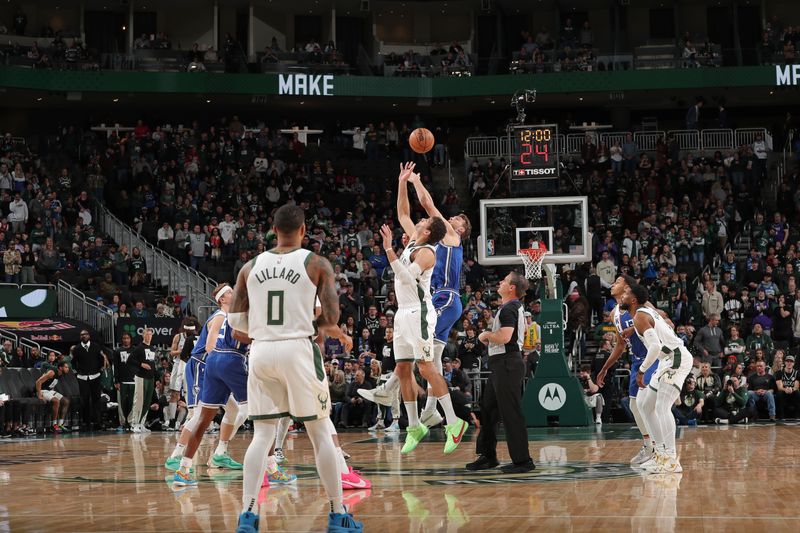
[
  {"x": 423, "y": 314},
  {"x": 318, "y": 366},
  {"x": 267, "y": 417}
]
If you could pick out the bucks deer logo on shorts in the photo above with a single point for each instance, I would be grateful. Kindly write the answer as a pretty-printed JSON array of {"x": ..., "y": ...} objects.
[
  {"x": 427, "y": 351},
  {"x": 323, "y": 401}
]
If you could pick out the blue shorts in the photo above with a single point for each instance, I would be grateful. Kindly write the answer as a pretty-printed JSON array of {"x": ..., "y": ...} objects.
[
  {"x": 448, "y": 311},
  {"x": 226, "y": 374},
  {"x": 633, "y": 388},
  {"x": 193, "y": 378}
]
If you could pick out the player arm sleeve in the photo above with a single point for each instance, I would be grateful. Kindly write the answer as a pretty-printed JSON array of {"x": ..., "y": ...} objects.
[
  {"x": 407, "y": 275},
  {"x": 652, "y": 340}
]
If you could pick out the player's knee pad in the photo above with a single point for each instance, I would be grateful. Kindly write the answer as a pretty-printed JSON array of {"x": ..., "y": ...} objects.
[
  {"x": 438, "y": 350},
  {"x": 231, "y": 412},
  {"x": 241, "y": 416}
]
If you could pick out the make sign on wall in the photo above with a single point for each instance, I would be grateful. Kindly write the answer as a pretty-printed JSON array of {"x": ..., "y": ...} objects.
[
  {"x": 306, "y": 84},
  {"x": 787, "y": 74}
]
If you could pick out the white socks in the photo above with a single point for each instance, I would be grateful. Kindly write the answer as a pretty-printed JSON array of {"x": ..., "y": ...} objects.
[
  {"x": 664, "y": 402},
  {"x": 178, "y": 451},
  {"x": 391, "y": 383},
  {"x": 413, "y": 415},
  {"x": 447, "y": 404},
  {"x": 222, "y": 448},
  {"x": 327, "y": 462},
  {"x": 255, "y": 463}
]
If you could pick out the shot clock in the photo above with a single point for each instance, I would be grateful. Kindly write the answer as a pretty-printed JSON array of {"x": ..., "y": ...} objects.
[{"x": 534, "y": 152}]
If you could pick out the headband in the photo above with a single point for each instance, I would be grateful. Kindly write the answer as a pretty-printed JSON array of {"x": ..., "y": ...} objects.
[{"x": 221, "y": 293}]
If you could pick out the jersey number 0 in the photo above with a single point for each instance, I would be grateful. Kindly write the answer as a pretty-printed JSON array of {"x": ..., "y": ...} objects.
[{"x": 275, "y": 308}]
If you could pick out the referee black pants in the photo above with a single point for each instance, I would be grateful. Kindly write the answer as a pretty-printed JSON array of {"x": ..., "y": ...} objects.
[
  {"x": 90, "y": 390},
  {"x": 502, "y": 398}
]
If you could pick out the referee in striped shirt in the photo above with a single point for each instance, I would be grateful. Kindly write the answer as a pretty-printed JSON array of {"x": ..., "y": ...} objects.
[{"x": 502, "y": 397}]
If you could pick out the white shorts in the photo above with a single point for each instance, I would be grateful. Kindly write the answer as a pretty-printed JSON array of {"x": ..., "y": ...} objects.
[
  {"x": 48, "y": 395},
  {"x": 673, "y": 371},
  {"x": 176, "y": 378},
  {"x": 287, "y": 378},
  {"x": 414, "y": 331}
]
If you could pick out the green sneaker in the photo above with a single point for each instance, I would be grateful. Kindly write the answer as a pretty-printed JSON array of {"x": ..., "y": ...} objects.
[
  {"x": 454, "y": 432},
  {"x": 224, "y": 461},
  {"x": 172, "y": 463},
  {"x": 413, "y": 437}
]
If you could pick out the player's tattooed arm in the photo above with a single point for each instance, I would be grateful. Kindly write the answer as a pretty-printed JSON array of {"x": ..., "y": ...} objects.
[
  {"x": 240, "y": 303},
  {"x": 321, "y": 274}
]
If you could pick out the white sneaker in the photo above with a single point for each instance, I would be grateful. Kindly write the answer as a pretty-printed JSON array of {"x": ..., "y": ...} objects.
[
  {"x": 644, "y": 455},
  {"x": 377, "y": 395},
  {"x": 431, "y": 418},
  {"x": 656, "y": 464},
  {"x": 144, "y": 429},
  {"x": 136, "y": 428},
  {"x": 654, "y": 458},
  {"x": 279, "y": 457},
  {"x": 721, "y": 420},
  {"x": 394, "y": 428},
  {"x": 378, "y": 425},
  {"x": 598, "y": 421},
  {"x": 670, "y": 465}
]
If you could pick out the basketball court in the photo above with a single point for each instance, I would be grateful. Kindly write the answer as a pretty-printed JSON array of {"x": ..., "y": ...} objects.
[{"x": 582, "y": 482}]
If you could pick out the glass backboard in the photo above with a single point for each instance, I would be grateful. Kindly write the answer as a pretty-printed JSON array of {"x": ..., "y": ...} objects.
[{"x": 509, "y": 224}]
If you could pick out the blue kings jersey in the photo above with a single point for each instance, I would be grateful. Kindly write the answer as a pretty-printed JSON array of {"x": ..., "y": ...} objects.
[
  {"x": 199, "y": 350},
  {"x": 226, "y": 343},
  {"x": 447, "y": 270},
  {"x": 622, "y": 321}
]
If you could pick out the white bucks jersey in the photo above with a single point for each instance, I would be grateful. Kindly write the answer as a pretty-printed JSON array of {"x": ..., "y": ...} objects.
[
  {"x": 281, "y": 296},
  {"x": 419, "y": 293},
  {"x": 672, "y": 345}
]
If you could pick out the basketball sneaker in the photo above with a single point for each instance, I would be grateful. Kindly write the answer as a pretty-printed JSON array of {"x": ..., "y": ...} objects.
[
  {"x": 655, "y": 463},
  {"x": 454, "y": 434},
  {"x": 377, "y": 395},
  {"x": 378, "y": 425},
  {"x": 224, "y": 461},
  {"x": 430, "y": 418},
  {"x": 353, "y": 480},
  {"x": 279, "y": 477},
  {"x": 413, "y": 437},
  {"x": 184, "y": 479},
  {"x": 644, "y": 455},
  {"x": 670, "y": 465},
  {"x": 394, "y": 428},
  {"x": 172, "y": 463},
  {"x": 343, "y": 523},
  {"x": 279, "y": 457},
  {"x": 64, "y": 429},
  {"x": 56, "y": 428},
  {"x": 248, "y": 523}
]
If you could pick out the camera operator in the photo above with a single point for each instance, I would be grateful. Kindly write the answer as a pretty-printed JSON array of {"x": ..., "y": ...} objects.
[
  {"x": 593, "y": 397},
  {"x": 731, "y": 406}
]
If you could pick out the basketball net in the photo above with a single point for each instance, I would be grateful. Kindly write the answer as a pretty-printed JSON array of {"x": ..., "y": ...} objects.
[{"x": 532, "y": 258}]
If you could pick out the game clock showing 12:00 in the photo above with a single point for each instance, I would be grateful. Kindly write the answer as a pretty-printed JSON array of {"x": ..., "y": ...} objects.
[{"x": 534, "y": 153}]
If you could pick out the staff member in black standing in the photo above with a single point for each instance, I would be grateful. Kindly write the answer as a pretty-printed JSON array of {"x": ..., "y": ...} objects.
[
  {"x": 143, "y": 359},
  {"x": 124, "y": 382},
  {"x": 87, "y": 360},
  {"x": 502, "y": 396}
]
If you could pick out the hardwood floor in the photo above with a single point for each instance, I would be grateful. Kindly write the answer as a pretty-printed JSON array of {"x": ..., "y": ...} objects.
[{"x": 742, "y": 478}]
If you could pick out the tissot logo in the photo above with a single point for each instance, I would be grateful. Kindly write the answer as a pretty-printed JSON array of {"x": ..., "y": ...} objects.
[
  {"x": 535, "y": 172},
  {"x": 552, "y": 396},
  {"x": 305, "y": 84}
]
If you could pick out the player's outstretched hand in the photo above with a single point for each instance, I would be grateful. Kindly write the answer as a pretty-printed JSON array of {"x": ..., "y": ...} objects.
[
  {"x": 386, "y": 235},
  {"x": 347, "y": 342},
  {"x": 405, "y": 171},
  {"x": 601, "y": 378},
  {"x": 640, "y": 380}
]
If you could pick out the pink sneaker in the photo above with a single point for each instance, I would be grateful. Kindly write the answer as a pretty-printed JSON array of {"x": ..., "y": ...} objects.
[{"x": 353, "y": 480}]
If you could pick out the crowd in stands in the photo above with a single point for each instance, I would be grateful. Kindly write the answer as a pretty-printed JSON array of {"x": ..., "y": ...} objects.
[
  {"x": 779, "y": 44},
  {"x": 571, "y": 50},
  {"x": 451, "y": 61},
  {"x": 206, "y": 194}
]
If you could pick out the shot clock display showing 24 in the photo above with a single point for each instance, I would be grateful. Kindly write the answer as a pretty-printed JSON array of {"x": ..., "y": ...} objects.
[{"x": 534, "y": 152}]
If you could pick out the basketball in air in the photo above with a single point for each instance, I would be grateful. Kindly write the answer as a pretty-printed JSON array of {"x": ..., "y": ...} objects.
[{"x": 421, "y": 140}]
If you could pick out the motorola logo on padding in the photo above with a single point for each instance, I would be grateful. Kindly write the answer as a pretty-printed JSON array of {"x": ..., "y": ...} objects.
[{"x": 552, "y": 396}]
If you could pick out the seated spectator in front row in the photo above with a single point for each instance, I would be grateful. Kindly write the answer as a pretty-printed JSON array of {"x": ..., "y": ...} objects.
[{"x": 733, "y": 403}]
